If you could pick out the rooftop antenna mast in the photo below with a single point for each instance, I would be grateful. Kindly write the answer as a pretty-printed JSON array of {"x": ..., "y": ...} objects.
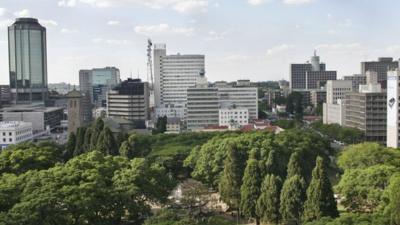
[{"x": 150, "y": 62}]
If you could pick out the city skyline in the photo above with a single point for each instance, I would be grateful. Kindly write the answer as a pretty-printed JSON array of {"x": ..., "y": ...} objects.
[{"x": 114, "y": 33}]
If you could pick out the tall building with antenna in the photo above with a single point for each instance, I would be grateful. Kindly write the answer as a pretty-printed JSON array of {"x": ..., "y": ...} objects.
[{"x": 173, "y": 75}]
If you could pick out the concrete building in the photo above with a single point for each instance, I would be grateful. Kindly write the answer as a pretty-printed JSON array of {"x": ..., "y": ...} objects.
[
  {"x": 130, "y": 100},
  {"x": 318, "y": 97},
  {"x": 382, "y": 66},
  {"x": 310, "y": 75},
  {"x": 334, "y": 108},
  {"x": 233, "y": 117},
  {"x": 366, "y": 111},
  {"x": 240, "y": 97},
  {"x": 79, "y": 110},
  {"x": 337, "y": 90},
  {"x": 27, "y": 61},
  {"x": 173, "y": 75},
  {"x": 202, "y": 107},
  {"x": 97, "y": 82},
  {"x": 393, "y": 109},
  {"x": 14, "y": 132},
  {"x": 357, "y": 80},
  {"x": 42, "y": 118},
  {"x": 170, "y": 112}
]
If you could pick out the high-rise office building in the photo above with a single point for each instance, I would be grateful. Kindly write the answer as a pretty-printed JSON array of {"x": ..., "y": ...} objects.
[
  {"x": 382, "y": 66},
  {"x": 27, "y": 61},
  {"x": 366, "y": 110},
  {"x": 96, "y": 82},
  {"x": 173, "y": 75},
  {"x": 129, "y": 100},
  {"x": 310, "y": 75},
  {"x": 357, "y": 79}
]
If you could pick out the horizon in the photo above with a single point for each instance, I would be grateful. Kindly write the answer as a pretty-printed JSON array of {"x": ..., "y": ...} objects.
[{"x": 342, "y": 36}]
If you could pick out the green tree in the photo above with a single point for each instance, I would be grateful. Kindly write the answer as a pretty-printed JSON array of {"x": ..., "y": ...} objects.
[
  {"x": 268, "y": 203},
  {"x": 272, "y": 164},
  {"x": 231, "y": 178},
  {"x": 362, "y": 189},
  {"x": 366, "y": 155},
  {"x": 320, "y": 199},
  {"x": 294, "y": 167},
  {"x": 80, "y": 139},
  {"x": 250, "y": 189},
  {"x": 394, "y": 199},
  {"x": 106, "y": 142},
  {"x": 161, "y": 125},
  {"x": 88, "y": 136},
  {"x": 293, "y": 196},
  {"x": 70, "y": 146}
]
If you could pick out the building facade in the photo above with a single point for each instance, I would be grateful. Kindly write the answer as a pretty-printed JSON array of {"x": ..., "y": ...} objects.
[
  {"x": 357, "y": 80},
  {"x": 27, "y": 61},
  {"x": 97, "y": 82},
  {"x": 129, "y": 100},
  {"x": 79, "y": 110},
  {"x": 381, "y": 67},
  {"x": 393, "y": 109},
  {"x": 240, "y": 97},
  {"x": 310, "y": 75},
  {"x": 334, "y": 108},
  {"x": 173, "y": 75},
  {"x": 14, "y": 132},
  {"x": 42, "y": 118},
  {"x": 367, "y": 112},
  {"x": 202, "y": 107},
  {"x": 233, "y": 117}
]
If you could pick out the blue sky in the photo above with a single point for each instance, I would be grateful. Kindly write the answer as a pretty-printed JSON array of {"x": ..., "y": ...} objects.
[{"x": 255, "y": 39}]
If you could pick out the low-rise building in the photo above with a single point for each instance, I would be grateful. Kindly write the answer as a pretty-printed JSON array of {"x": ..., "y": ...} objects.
[
  {"x": 42, "y": 118},
  {"x": 233, "y": 117},
  {"x": 14, "y": 132},
  {"x": 174, "y": 126}
]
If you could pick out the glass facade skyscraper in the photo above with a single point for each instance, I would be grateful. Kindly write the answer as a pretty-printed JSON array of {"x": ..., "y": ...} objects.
[{"x": 27, "y": 61}]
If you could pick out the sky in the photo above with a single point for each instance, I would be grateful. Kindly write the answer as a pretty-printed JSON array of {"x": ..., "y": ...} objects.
[{"x": 241, "y": 39}]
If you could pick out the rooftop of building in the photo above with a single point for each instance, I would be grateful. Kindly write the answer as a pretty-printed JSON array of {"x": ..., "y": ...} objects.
[{"x": 13, "y": 124}]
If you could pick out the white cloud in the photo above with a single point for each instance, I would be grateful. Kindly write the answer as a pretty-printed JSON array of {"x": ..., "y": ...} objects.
[
  {"x": 215, "y": 36},
  {"x": 343, "y": 48},
  {"x": 68, "y": 31},
  {"x": 393, "y": 49},
  {"x": 279, "y": 49},
  {"x": 5, "y": 23},
  {"x": 163, "y": 29},
  {"x": 182, "y": 6},
  {"x": 110, "y": 41},
  {"x": 23, "y": 13},
  {"x": 48, "y": 23},
  {"x": 2, "y": 11},
  {"x": 257, "y": 2},
  {"x": 297, "y": 2},
  {"x": 191, "y": 6},
  {"x": 113, "y": 23}
]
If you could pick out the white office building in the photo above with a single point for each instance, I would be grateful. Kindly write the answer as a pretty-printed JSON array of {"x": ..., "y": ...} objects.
[
  {"x": 233, "y": 117},
  {"x": 334, "y": 108},
  {"x": 393, "y": 109},
  {"x": 173, "y": 75},
  {"x": 240, "y": 97},
  {"x": 14, "y": 132}
]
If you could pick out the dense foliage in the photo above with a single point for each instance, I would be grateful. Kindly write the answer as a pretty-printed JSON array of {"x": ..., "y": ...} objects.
[{"x": 339, "y": 133}]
